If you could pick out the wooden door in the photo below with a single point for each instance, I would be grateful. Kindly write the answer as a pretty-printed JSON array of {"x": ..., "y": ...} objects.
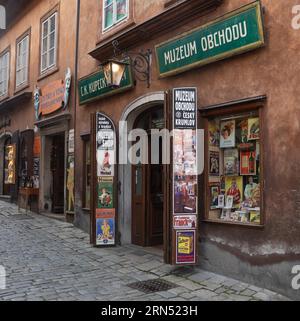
[{"x": 58, "y": 173}]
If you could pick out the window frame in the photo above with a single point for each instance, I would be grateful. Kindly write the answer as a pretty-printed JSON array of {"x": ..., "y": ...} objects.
[
  {"x": 115, "y": 21},
  {"x": 2, "y": 54},
  {"x": 18, "y": 41},
  {"x": 44, "y": 19},
  {"x": 234, "y": 110}
]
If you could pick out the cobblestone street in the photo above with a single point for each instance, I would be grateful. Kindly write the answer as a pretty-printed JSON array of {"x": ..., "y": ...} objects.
[{"x": 46, "y": 259}]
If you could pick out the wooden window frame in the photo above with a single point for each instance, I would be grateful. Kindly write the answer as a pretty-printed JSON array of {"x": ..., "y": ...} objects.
[
  {"x": 4, "y": 52},
  {"x": 50, "y": 69},
  {"x": 115, "y": 22},
  {"x": 227, "y": 110},
  {"x": 86, "y": 138},
  {"x": 25, "y": 84}
]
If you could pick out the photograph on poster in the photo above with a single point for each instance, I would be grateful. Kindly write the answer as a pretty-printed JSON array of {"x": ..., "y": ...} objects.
[
  {"x": 105, "y": 140},
  {"x": 105, "y": 193},
  {"x": 227, "y": 134},
  {"x": 105, "y": 163},
  {"x": 214, "y": 133},
  {"x": 234, "y": 188},
  {"x": 214, "y": 163},
  {"x": 231, "y": 162},
  {"x": 185, "y": 200},
  {"x": 214, "y": 196},
  {"x": 184, "y": 221},
  {"x": 229, "y": 202},
  {"x": 185, "y": 247},
  {"x": 253, "y": 129},
  {"x": 248, "y": 163},
  {"x": 221, "y": 201},
  {"x": 105, "y": 227}
]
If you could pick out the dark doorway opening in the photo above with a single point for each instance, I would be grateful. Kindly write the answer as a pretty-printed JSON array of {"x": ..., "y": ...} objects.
[
  {"x": 147, "y": 187},
  {"x": 58, "y": 173}
]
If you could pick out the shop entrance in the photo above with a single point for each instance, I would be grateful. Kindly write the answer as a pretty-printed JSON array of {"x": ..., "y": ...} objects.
[
  {"x": 147, "y": 186},
  {"x": 58, "y": 173}
]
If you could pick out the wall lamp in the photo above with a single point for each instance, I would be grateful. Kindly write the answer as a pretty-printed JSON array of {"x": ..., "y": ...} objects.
[{"x": 115, "y": 68}]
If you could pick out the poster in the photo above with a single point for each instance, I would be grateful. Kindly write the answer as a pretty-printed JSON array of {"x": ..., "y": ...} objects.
[
  {"x": 10, "y": 164},
  {"x": 253, "y": 129},
  {"x": 36, "y": 172},
  {"x": 185, "y": 191},
  {"x": 105, "y": 227},
  {"x": 214, "y": 163},
  {"x": 231, "y": 162},
  {"x": 234, "y": 188},
  {"x": 105, "y": 192},
  {"x": 70, "y": 183},
  {"x": 248, "y": 163},
  {"x": 214, "y": 196},
  {"x": 214, "y": 133},
  {"x": 185, "y": 221},
  {"x": 105, "y": 162},
  {"x": 227, "y": 134},
  {"x": 186, "y": 247},
  {"x": 71, "y": 143}
]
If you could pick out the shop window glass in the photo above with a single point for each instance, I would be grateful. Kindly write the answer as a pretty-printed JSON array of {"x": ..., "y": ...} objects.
[
  {"x": 114, "y": 11},
  {"x": 234, "y": 169}
]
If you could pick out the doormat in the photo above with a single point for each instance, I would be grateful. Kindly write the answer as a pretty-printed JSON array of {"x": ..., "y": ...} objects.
[{"x": 152, "y": 286}]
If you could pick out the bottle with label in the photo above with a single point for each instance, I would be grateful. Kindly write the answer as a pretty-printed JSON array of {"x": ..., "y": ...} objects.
[{"x": 251, "y": 164}]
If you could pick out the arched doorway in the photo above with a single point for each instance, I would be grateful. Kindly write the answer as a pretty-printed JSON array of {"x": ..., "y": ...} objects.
[
  {"x": 147, "y": 184},
  {"x": 6, "y": 187}
]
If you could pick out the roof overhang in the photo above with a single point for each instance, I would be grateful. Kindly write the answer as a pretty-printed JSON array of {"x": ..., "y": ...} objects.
[{"x": 15, "y": 100}]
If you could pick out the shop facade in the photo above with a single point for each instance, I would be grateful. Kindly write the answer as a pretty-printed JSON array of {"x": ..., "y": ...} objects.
[{"x": 246, "y": 197}]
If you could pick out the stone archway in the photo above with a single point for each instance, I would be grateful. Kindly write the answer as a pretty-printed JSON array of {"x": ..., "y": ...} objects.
[
  {"x": 125, "y": 186},
  {"x": 3, "y": 138}
]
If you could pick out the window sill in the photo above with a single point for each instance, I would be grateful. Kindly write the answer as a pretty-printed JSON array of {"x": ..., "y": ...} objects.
[
  {"x": 247, "y": 225},
  {"x": 49, "y": 72},
  {"x": 21, "y": 88}
]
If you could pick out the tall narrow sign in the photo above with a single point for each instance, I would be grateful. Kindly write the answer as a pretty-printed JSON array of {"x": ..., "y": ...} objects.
[
  {"x": 185, "y": 174},
  {"x": 105, "y": 213}
]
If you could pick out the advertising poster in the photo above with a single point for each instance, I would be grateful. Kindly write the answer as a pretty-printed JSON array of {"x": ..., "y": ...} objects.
[
  {"x": 234, "y": 188},
  {"x": 10, "y": 164},
  {"x": 185, "y": 247},
  {"x": 227, "y": 131},
  {"x": 36, "y": 172},
  {"x": 253, "y": 129},
  {"x": 105, "y": 227},
  {"x": 214, "y": 196},
  {"x": 214, "y": 133},
  {"x": 185, "y": 191},
  {"x": 184, "y": 222},
  {"x": 70, "y": 184},
  {"x": 231, "y": 162},
  {"x": 105, "y": 192},
  {"x": 214, "y": 163},
  {"x": 248, "y": 163},
  {"x": 105, "y": 162}
]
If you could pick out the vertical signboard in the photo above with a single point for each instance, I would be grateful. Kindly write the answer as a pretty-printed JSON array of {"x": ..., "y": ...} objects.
[
  {"x": 105, "y": 203},
  {"x": 185, "y": 174}
]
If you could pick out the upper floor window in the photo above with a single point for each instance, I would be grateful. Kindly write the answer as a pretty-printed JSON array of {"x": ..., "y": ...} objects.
[
  {"x": 49, "y": 43},
  {"x": 4, "y": 73},
  {"x": 114, "y": 11},
  {"x": 22, "y": 61}
]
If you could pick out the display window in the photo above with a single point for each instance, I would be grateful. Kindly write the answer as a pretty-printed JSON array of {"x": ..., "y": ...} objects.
[{"x": 234, "y": 171}]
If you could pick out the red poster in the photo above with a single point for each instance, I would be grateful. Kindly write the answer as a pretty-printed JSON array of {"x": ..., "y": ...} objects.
[{"x": 248, "y": 163}]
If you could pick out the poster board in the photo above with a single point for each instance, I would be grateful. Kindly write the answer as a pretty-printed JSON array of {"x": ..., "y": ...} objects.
[
  {"x": 10, "y": 162},
  {"x": 185, "y": 176}
]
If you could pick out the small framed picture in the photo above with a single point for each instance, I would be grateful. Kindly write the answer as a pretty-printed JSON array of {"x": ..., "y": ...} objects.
[
  {"x": 214, "y": 163},
  {"x": 229, "y": 201},
  {"x": 227, "y": 137},
  {"x": 253, "y": 129},
  {"x": 214, "y": 194},
  {"x": 221, "y": 201}
]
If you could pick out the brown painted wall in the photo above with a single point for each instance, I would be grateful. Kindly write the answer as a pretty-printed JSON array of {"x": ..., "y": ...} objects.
[{"x": 272, "y": 70}]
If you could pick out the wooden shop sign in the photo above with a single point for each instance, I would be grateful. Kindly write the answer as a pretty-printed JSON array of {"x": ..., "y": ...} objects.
[
  {"x": 52, "y": 97},
  {"x": 235, "y": 33}
]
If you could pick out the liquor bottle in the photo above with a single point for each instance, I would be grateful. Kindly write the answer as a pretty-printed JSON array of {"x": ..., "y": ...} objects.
[{"x": 251, "y": 164}]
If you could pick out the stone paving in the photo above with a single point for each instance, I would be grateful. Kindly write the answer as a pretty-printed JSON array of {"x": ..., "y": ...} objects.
[{"x": 47, "y": 259}]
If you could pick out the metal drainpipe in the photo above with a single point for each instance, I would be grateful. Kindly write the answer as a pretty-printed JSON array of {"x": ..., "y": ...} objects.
[{"x": 75, "y": 94}]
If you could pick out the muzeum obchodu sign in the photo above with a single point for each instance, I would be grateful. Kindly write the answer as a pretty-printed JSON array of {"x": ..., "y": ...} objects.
[{"x": 236, "y": 32}]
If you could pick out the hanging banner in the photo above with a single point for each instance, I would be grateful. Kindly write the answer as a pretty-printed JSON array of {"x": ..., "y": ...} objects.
[
  {"x": 185, "y": 174},
  {"x": 105, "y": 213}
]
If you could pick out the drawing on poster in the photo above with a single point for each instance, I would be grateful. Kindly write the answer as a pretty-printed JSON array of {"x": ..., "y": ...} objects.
[
  {"x": 185, "y": 247},
  {"x": 105, "y": 227}
]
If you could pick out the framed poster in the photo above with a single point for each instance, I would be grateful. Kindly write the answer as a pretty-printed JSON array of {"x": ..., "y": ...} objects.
[
  {"x": 214, "y": 133},
  {"x": 234, "y": 188},
  {"x": 184, "y": 221},
  {"x": 253, "y": 129},
  {"x": 214, "y": 196},
  {"x": 231, "y": 162},
  {"x": 248, "y": 163},
  {"x": 227, "y": 134},
  {"x": 214, "y": 163},
  {"x": 105, "y": 227},
  {"x": 186, "y": 247},
  {"x": 105, "y": 192}
]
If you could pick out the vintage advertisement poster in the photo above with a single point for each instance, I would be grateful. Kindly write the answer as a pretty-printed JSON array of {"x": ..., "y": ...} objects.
[
  {"x": 185, "y": 191},
  {"x": 186, "y": 247},
  {"x": 10, "y": 164},
  {"x": 105, "y": 162},
  {"x": 214, "y": 133},
  {"x": 70, "y": 184},
  {"x": 71, "y": 141},
  {"x": 214, "y": 196},
  {"x": 214, "y": 163},
  {"x": 227, "y": 134},
  {"x": 248, "y": 163},
  {"x": 105, "y": 227},
  {"x": 253, "y": 129},
  {"x": 234, "y": 188},
  {"x": 231, "y": 162},
  {"x": 36, "y": 172},
  {"x": 184, "y": 222},
  {"x": 105, "y": 192}
]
